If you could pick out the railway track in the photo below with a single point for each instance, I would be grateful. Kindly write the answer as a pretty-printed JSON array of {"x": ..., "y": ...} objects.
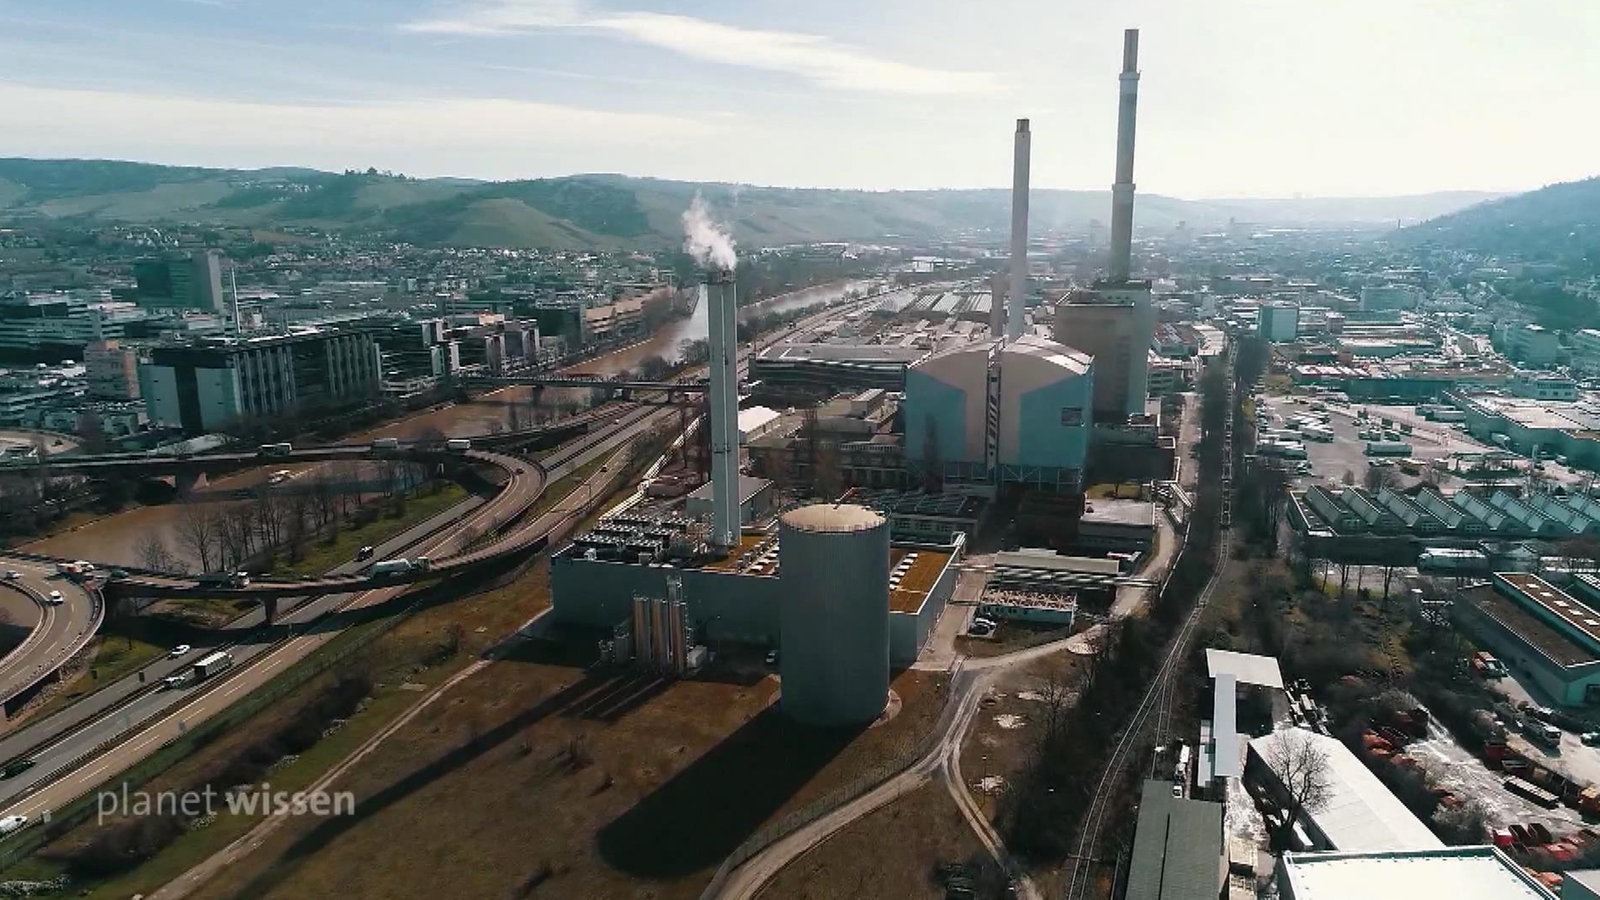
[{"x": 1155, "y": 707}]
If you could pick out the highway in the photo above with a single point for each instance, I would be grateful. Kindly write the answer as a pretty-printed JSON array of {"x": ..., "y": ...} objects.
[
  {"x": 137, "y": 718},
  {"x": 60, "y": 630}
]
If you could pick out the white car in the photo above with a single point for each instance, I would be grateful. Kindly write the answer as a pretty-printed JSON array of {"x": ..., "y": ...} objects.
[
  {"x": 12, "y": 823},
  {"x": 54, "y": 598},
  {"x": 13, "y": 575},
  {"x": 180, "y": 650}
]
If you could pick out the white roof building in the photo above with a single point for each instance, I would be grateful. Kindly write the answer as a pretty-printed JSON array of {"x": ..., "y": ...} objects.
[{"x": 1456, "y": 873}]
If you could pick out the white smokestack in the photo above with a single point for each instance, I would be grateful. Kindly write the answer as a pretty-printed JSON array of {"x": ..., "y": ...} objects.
[
  {"x": 1120, "y": 264},
  {"x": 723, "y": 341},
  {"x": 1016, "y": 302}
]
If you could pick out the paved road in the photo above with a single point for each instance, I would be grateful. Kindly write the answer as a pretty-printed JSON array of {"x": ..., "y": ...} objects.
[{"x": 59, "y": 630}]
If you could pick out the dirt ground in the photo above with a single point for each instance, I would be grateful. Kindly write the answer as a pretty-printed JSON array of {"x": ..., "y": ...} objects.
[
  {"x": 539, "y": 777},
  {"x": 894, "y": 852},
  {"x": 1005, "y": 731}
]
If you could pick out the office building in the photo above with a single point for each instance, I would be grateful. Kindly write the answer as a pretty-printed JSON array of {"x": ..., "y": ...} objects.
[
  {"x": 205, "y": 386},
  {"x": 1533, "y": 345},
  {"x": 52, "y": 325},
  {"x": 192, "y": 281},
  {"x": 1278, "y": 321}
]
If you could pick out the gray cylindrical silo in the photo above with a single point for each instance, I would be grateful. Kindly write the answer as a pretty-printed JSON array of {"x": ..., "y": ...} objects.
[{"x": 833, "y": 561}]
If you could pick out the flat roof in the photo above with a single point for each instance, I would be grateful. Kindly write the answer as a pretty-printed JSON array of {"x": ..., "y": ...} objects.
[
  {"x": 1177, "y": 847},
  {"x": 1360, "y": 815},
  {"x": 1574, "y": 613},
  {"x": 1225, "y": 726},
  {"x": 1246, "y": 668},
  {"x": 1459, "y": 873},
  {"x": 749, "y": 486},
  {"x": 1119, "y": 512},
  {"x": 917, "y": 580},
  {"x": 1561, "y": 649}
]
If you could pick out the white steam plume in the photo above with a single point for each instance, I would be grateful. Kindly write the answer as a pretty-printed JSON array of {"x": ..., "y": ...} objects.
[{"x": 705, "y": 240}]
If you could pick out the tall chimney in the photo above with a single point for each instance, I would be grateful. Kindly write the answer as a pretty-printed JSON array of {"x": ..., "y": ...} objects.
[
  {"x": 1122, "y": 192},
  {"x": 723, "y": 342},
  {"x": 1017, "y": 294}
]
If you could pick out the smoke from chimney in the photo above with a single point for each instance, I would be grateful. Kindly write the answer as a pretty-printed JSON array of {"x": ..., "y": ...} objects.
[
  {"x": 1016, "y": 301},
  {"x": 705, "y": 240},
  {"x": 1120, "y": 264}
]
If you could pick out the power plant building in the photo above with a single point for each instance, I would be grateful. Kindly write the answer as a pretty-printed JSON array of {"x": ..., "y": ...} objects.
[
  {"x": 1002, "y": 412},
  {"x": 834, "y": 616},
  {"x": 1115, "y": 326}
]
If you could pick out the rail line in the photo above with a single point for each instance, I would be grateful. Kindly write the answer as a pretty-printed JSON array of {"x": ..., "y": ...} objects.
[{"x": 1157, "y": 697}]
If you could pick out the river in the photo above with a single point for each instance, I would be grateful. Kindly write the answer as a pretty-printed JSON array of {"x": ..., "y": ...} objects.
[{"x": 114, "y": 540}]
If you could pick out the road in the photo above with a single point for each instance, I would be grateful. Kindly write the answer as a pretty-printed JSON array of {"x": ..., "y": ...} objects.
[{"x": 58, "y": 631}]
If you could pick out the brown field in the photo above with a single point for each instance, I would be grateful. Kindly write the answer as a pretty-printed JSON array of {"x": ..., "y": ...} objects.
[
  {"x": 893, "y": 852},
  {"x": 538, "y": 778}
]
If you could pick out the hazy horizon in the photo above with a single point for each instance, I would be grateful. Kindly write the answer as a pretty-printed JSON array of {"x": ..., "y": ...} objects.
[{"x": 1239, "y": 99}]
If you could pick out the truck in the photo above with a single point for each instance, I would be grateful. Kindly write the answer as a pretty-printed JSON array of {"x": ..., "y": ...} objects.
[
  {"x": 1449, "y": 414},
  {"x": 283, "y": 449},
  {"x": 457, "y": 445},
  {"x": 391, "y": 567},
  {"x": 1320, "y": 433},
  {"x": 1283, "y": 449},
  {"x": 1388, "y": 448},
  {"x": 388, "y": 443},
  {"x": 210, "y": 665}
]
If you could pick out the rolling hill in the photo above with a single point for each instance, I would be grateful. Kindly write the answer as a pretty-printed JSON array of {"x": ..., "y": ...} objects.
[
  {"x": 1559, "y": 223},
  {"x": 605, "y": 211}
]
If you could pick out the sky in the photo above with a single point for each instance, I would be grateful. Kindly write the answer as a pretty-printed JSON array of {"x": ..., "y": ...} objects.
[{"x": 1237, "y": 98}]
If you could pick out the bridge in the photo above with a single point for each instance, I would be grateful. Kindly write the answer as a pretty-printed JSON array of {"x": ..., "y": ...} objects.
[{"x": 622, "y": 388}]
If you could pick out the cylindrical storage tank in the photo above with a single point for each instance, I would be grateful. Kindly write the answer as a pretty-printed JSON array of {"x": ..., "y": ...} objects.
[{"x": 833, "y": 563}]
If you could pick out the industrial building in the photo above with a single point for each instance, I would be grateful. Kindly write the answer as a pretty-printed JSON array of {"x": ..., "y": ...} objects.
[
  {"x": 1429, "y": 514},
  {"x": 834, "y": 621},
  {"x": 1360, "y": 814},
  {"x": 1459, "y": 873},
  {"x": 1177, "y": 847},
  {"x": 733, "y": 598},
  {"x": 204, "y": 386},
  {"x": 1541, "y": 631},
  {"x": 1115, "y": 322},
  {"x": 1001, "y": 412},
  {"x": 1526, "y": 425}
]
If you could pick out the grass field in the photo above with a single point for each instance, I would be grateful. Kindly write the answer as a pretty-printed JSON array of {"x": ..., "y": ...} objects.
[
  {"x": 321, "y": 556},
  {"x": 893, "y": 852}
]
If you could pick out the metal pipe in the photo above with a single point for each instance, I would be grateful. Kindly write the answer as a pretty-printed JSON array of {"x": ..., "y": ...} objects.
[
  {"x": 1016, "y": 302},
  {"x": 1120, "y": 264}
]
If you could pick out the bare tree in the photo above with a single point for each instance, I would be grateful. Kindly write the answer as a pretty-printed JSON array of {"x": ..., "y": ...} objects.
[
  {"x": 154, "y": 555},
  {"x": 1302, "y": 770},
  {"x": 828, "y": 474},
  {"x": 1378, "y": 477},
  {"x": 198, "y": 532}
]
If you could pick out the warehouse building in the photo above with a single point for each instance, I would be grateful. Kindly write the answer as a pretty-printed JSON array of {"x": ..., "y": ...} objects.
[
  {"x": 1459, "y": 873},
  {"x": 1177, "y": 847},
  {"x": 1360, "y": 814},
  {"x": 1539, "y": 630}
]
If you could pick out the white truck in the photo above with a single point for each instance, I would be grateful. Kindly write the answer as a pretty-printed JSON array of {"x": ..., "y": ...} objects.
[
  {"x": 389, "y": 567},
  {"x": 388, "y": 443},
  {"x": 210, "y": 665},
  {"x": 457, "y": 445}
]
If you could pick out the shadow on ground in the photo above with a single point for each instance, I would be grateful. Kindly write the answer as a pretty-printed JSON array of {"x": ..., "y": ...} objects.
[{"x": 694, "y": 821}]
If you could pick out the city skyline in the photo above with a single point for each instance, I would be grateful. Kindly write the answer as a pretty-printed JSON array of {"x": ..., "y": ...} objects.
[{"x": 1238, "y": 99}]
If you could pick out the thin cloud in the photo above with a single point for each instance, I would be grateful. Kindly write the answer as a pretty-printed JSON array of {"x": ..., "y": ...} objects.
[{"x": 820, "y": 60}]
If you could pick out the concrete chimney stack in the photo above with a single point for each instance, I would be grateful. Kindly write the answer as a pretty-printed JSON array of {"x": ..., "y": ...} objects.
[
  {"x": 1122, "y": 192},
  {"x": 723, "y": 342},
  {"x": 1017, "y": 294}
]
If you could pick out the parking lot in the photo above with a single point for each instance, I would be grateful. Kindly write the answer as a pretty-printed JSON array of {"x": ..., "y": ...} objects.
[{"x": 1330, "y": 460}]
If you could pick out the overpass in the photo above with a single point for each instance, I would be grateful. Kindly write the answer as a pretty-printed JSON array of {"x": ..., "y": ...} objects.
[{"x": 623, "y": 389}]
